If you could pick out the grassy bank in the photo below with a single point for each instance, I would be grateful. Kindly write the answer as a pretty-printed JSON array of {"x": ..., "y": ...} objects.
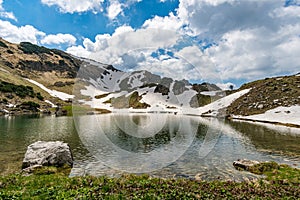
[{"x": 279, "y": 183}]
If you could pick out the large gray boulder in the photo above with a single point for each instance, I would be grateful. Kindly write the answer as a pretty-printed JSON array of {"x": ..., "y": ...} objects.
[{"x": 48, "y": 154}]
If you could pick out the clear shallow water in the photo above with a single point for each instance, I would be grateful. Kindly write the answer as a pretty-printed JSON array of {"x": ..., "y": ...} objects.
[{"x": 161, "y": 145}]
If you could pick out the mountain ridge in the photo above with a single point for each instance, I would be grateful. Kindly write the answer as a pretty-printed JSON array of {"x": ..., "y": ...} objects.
[{"x": 50, "y": 73}]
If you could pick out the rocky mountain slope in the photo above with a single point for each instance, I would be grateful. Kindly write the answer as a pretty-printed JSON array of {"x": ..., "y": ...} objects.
[
  {"x": 50, "y": 74},
  {"x": 103, "y": 86},
  {"x": 36, "y": 78},
  {"x": 267, "y": 94}
]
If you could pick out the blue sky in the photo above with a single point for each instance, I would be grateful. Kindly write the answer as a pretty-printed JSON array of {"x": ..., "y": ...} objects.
[{"x": 221, "y": 41}]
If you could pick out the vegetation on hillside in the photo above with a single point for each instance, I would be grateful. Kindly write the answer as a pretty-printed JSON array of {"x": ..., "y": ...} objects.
[
  {"x": 29, "y": 48},
  {"x": 19, "y": 90},
  {"x": 2, "y": 44}
]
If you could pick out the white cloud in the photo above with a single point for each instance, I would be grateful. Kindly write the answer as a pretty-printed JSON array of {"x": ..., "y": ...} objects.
[
  {"x": 226, "y": 86},
  {"x": 109, "y": 48},
  {"x": 29, "y": 33},
  {"x": 251, "y": 39},
  {"x": 214, "y": 18},
  {"x": 8, "y": 15},
  {"x": 170, "y": 22},
  {"x": 16, "y": 34},
  {"x": 60, "y": 38},
  {"x": 114, "y": 9},
  {"x": 256, "y": 53},
  {"x": 71, "y": 6},
  {"x": 4, "y": 14}
]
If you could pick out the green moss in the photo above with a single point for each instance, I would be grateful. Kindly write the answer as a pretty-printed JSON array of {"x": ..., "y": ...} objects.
[
  {"x": 46, "y": 170},
  {"x": 283, "y": 175},
  {"x": 69, "y": 109},
  {"x": 263, "y": 168}
]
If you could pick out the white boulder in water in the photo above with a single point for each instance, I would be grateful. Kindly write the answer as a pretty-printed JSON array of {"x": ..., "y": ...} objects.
[{"x": 48, "y": 154}]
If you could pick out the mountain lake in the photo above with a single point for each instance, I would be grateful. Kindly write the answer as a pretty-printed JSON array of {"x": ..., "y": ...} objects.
[{"x": 163, "y": 145}]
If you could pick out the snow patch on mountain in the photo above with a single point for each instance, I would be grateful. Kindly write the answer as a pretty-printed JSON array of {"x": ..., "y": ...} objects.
[
  {"x": 61, "y": 95},
  {"x": 213, "y": 108},
  {"x": 285, "y": 115}
]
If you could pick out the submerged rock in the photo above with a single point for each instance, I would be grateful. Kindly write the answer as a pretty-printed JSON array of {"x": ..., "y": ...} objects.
[
  {"x": 42, "y": 153},
  {"x": 244, "y": 164},
  {"x": 255, "y": 167}
]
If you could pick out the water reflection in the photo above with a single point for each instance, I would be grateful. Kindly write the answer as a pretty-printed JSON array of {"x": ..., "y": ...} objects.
[
  {"x": 270, "y": 138},
  {"x": 120, "y": 143},
  {"x": 183, "y": 145}
]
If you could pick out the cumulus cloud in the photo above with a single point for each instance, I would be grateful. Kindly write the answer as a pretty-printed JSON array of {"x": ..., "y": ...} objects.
[
  {"x": 250, "y": 39},
  {"x": 214, "y": 18},
  {"x": 71, "y": 6},
  {"x": 16, "y": 34},
  {"x": 170, "y": 22},
  {"x": 59, "y": 38},
  {"x": 226, "y": 86},
  {"x": 114, "y": 9},
  {"x": 109, "y": 48},
  {"x": 29, "y": 33},
  {"x": 4, "y": 14},
  {"x": 237, "y": 40},
  {"x": 131, "y": 49}
]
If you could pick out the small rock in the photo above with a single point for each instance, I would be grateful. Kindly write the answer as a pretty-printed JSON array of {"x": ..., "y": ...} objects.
[
  {"x": 42, "y": 153},
  {"x": 260, "y": 106},
  {"x": 244, "y": 164},
  {"x": 198, "y": 177}
]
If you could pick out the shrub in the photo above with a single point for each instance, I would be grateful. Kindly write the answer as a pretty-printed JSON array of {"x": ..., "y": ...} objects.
[
  {"x": 2, "y": 44},
  {"x": 29, "y": 48},
  {"x": 20, "y": 90},
  {"x": 39, "y": 96}
]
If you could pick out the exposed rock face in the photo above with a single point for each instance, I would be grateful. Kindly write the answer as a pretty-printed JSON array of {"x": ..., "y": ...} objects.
[
  {"x": 48, "y": 154},
  {"x": 179, "y": 87},
  {"x": 205, "y": 87},
  {"x": 161, "y": 89}
]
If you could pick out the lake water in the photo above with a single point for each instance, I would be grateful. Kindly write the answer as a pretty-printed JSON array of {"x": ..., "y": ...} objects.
[{"x": 158, "y": 144}]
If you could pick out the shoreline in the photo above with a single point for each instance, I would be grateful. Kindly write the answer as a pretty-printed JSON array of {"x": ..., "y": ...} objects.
[
  {"x": 265, "y": 121},
  {"x": 171, "y": 112}
]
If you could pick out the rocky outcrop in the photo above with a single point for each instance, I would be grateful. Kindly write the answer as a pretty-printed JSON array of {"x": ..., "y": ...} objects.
[
  {"x": 205, "y": 87},
  {"x": 161, "y": 89},
  {"x": 267, "y": 94},
  {"x": 179, "y": 87},
  {"x": 42, "y": 153}
]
